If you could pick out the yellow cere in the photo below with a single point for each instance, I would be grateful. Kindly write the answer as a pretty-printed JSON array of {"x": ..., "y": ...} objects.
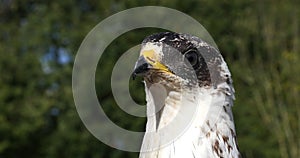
[{"x": 152, "y": 58}]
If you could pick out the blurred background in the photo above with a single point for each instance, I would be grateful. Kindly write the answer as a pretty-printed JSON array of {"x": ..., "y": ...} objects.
[{"x": 39, "y": 40}]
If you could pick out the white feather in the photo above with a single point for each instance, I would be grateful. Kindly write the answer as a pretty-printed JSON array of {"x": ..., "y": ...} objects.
[{"x": 194, "y": 141}]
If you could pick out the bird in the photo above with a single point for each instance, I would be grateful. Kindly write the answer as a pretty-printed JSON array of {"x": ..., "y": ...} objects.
[{"x": 189, "y": 95}]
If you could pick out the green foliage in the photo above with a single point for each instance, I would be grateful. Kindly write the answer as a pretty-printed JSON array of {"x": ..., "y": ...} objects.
[{"x": 259, "y": 40}]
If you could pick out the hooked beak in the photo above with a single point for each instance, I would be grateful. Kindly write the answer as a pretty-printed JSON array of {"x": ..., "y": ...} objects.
[
  {"x": 141, "y": 67},
  {"x": 148, "y": 60}
]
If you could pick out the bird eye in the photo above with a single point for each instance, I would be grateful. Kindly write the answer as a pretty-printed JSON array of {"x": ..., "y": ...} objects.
[{"x": 192, "y": 57}]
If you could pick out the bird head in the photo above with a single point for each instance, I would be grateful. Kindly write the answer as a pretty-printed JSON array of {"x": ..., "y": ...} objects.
[{"x": 179, "y": 60}]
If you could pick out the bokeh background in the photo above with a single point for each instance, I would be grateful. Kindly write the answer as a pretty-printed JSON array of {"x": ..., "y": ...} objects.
[{"x": 39, "y": 40}]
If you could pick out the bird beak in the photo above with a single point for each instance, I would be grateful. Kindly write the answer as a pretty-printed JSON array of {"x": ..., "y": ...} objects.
[
  {"x": 141, "y": 67},
  {"x": 148, "y": 60}
]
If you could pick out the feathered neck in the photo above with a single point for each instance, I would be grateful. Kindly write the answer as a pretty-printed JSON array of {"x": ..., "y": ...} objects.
[{"x": 189, "y": 123}]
